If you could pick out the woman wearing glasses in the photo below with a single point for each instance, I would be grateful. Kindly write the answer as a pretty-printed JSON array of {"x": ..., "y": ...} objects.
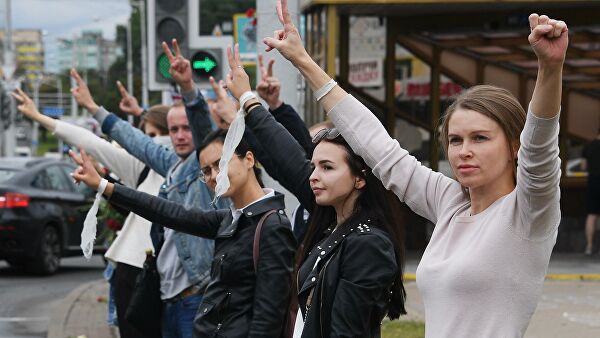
[
  {"x": 350, "y": 262},
  {"x": 248, "y": 294},
  {"x": 483, "y": 270}
]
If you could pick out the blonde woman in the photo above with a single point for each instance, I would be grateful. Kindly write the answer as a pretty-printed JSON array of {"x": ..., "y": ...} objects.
[{"x": 482, "y": 272}]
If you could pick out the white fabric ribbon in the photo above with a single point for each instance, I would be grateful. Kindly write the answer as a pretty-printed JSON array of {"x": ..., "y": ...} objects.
[
  {"x": 88, "y": 234},
  {"x": 232, "y": 140}
]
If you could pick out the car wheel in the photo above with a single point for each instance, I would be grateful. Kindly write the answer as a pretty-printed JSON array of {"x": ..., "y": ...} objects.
[{"x": 48, "y": 258}]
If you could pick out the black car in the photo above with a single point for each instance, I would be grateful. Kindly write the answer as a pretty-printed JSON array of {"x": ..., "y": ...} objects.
[{"x": 41, "y": 213}]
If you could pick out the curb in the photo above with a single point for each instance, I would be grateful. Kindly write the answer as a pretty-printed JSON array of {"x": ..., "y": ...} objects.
[
  {"x": 60, "y": 316},
  {"x": 574, "y": 277},
  {"x": 411, "y": 277}
]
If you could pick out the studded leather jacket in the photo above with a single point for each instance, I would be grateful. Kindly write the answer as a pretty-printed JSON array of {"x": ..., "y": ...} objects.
[{"x": 349, "y": 285}]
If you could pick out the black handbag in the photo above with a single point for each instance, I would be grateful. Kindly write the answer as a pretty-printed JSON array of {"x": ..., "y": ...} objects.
[{"x": 145, "y": 308}]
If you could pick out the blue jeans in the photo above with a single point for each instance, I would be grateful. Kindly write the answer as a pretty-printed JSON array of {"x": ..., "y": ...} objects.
[
  {"x": 178, "y": 317},
  {"x": 112, "y": 306}
]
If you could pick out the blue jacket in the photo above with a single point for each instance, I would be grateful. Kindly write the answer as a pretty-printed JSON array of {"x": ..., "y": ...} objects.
[{"x": 186, "y": 188}]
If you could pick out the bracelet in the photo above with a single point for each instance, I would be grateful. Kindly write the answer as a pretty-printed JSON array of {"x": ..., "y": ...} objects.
[
  {"x": 321, "y": 92},
  {"x": 246, "y": 97},
  {"x": 102, "y": 186},
  {"x": 252, "y": 106}
]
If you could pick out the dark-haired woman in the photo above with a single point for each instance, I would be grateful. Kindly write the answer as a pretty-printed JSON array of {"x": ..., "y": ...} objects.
[
  {"x": 350, "y": 263},
  {"x": 483, "y": 270},
  {"x": 245, "y": 297}
]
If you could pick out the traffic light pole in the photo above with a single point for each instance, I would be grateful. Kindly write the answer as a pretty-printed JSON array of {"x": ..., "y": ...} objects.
[
  {"x": 9, "y": 141},
  {"x": 129, "y": 65},
  {"x": 145, "y": 100}
]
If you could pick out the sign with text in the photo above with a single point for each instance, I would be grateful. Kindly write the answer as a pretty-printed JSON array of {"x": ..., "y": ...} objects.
[{"x": 366, "y": 72}]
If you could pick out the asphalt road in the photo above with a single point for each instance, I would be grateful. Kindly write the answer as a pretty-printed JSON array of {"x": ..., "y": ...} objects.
[{"x": 27, "y": 302}]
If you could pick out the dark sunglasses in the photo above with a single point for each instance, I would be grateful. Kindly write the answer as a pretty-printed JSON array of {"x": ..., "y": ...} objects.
[{"x": 325, "y": 133}]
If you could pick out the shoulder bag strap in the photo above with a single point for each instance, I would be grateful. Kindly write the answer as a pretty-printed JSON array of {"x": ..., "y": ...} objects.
[{"x": 256, "y": 244}]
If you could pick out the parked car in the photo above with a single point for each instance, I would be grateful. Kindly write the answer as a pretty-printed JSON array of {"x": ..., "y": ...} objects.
[{"x": 41, "y": 213}]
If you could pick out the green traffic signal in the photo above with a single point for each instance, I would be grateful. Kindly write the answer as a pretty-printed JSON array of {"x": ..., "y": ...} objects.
[
  {"x": 204, "y": 64},
  {"x": 163, "y": 65},
  {"x": 207, "y": 64}
]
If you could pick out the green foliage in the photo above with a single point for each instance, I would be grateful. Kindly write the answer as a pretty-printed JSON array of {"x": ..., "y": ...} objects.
[
  {"x": 402, "y": 329},
  {"x": 217, "y": 11}
]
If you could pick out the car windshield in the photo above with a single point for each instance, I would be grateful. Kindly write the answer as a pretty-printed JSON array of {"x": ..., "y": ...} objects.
[{"x": 6, "y": 174}]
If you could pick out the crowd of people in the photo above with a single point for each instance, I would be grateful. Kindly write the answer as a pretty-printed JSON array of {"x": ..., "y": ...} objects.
[{"x": 233, "y": 264}]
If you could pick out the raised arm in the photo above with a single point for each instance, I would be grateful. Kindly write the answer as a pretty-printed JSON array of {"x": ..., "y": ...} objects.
[
  {"x": 538, "y": 172},
  {"x": 269, "y": 89},
  {"x": 157, "y": 157},
  {"x": 28, "y": 109},
  {"x": 193, "y": 221},
  {"x": 117, "y": 160},
  {"x": 424, "y": 191},
  {"x": 549, "y": 39},
  {"x": 281, "y": 148},
  {"x": 195, "y": 105},
  {"x": 289, "y": 43}
]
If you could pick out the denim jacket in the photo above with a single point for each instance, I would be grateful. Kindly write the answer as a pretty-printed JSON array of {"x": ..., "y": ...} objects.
[{"x": 186, "y": 187}]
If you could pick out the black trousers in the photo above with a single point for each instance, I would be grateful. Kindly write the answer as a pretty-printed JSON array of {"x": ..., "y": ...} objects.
[{"x": 124, "y": 281}]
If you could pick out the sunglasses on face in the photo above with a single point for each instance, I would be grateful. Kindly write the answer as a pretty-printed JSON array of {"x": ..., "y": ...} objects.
[{"x": 325, "y": 133}]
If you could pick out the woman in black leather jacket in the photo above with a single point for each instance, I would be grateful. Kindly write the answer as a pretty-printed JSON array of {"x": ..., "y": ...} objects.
[
  {"x": 242, "y": 300},
  {"x": 350, "y": 263}
]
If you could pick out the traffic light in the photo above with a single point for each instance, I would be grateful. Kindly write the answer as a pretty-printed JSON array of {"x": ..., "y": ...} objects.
[
  {"x": 208, "y": 57},
  {"x": 167, "y": 20}
]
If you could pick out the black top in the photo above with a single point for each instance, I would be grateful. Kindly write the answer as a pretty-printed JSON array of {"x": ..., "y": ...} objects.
[
  {"x": 591, "y": 152},
  {"x": 239, "y": 301},
  {"x": 358, "y": 266}
]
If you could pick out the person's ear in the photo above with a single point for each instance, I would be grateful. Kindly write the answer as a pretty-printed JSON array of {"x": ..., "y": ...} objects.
[
  {"x": 250, "y": 159},
  {"x": 515, "y": 149},
  {"x": 359, "y": 182}
]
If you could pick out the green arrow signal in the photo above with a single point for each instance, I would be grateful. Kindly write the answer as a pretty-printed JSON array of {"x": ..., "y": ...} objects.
[{"x": 207, "y": 64}]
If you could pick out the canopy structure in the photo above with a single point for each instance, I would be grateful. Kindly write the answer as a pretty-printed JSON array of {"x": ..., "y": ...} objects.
[{"x": 406, "y": 59}]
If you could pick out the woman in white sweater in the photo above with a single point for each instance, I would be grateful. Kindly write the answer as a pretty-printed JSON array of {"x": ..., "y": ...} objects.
[
  {"x": 128, "y": 249},
  {"x": 482, "y": 272}
]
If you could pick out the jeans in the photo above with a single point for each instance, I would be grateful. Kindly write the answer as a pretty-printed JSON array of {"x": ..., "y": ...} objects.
[
  {"x": 178, "y": 317},
  {"x": 112, "y": 307}
]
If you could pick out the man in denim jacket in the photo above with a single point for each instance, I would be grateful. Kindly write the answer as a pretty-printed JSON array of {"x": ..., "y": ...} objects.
[{"x": 184, "y": 260}]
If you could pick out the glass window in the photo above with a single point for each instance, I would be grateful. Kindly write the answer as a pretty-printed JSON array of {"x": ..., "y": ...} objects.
[
  {"x": 6, "y": 174},
  {"x": 81, "y": 188},
  {"x": 41, "y": 180},
  {"x": 57, "y": 179}
]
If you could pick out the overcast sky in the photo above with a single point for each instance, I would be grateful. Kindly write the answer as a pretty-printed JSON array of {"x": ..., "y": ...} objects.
[{"x": 64, "y": 18}]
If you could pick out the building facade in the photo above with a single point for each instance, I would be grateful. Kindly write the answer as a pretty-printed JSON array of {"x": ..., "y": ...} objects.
[
  {"x": 29, "y": 51},
  {"x": 406, "y": 59},
  {"x": 90, "y": 51}
]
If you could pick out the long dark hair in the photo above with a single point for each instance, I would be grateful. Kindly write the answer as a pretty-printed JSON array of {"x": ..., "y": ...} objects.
[
  {"x": 241, "y": 150},
  {"x": 380, "y": 204}
]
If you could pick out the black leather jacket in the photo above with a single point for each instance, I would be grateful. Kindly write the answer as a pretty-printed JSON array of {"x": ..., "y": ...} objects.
[
  {"x": 352, "y": 280},
  {"x": 238, "y": 302},
  {"x": 347, "y": 292}
]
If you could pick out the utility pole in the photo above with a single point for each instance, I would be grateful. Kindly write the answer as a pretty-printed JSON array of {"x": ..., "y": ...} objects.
[
  {"x": 145, "y": 100},
  {"x": 36, "y": 100},
  {"x": 9, "y": 137},
  {"x": 129, "y": 65}
]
